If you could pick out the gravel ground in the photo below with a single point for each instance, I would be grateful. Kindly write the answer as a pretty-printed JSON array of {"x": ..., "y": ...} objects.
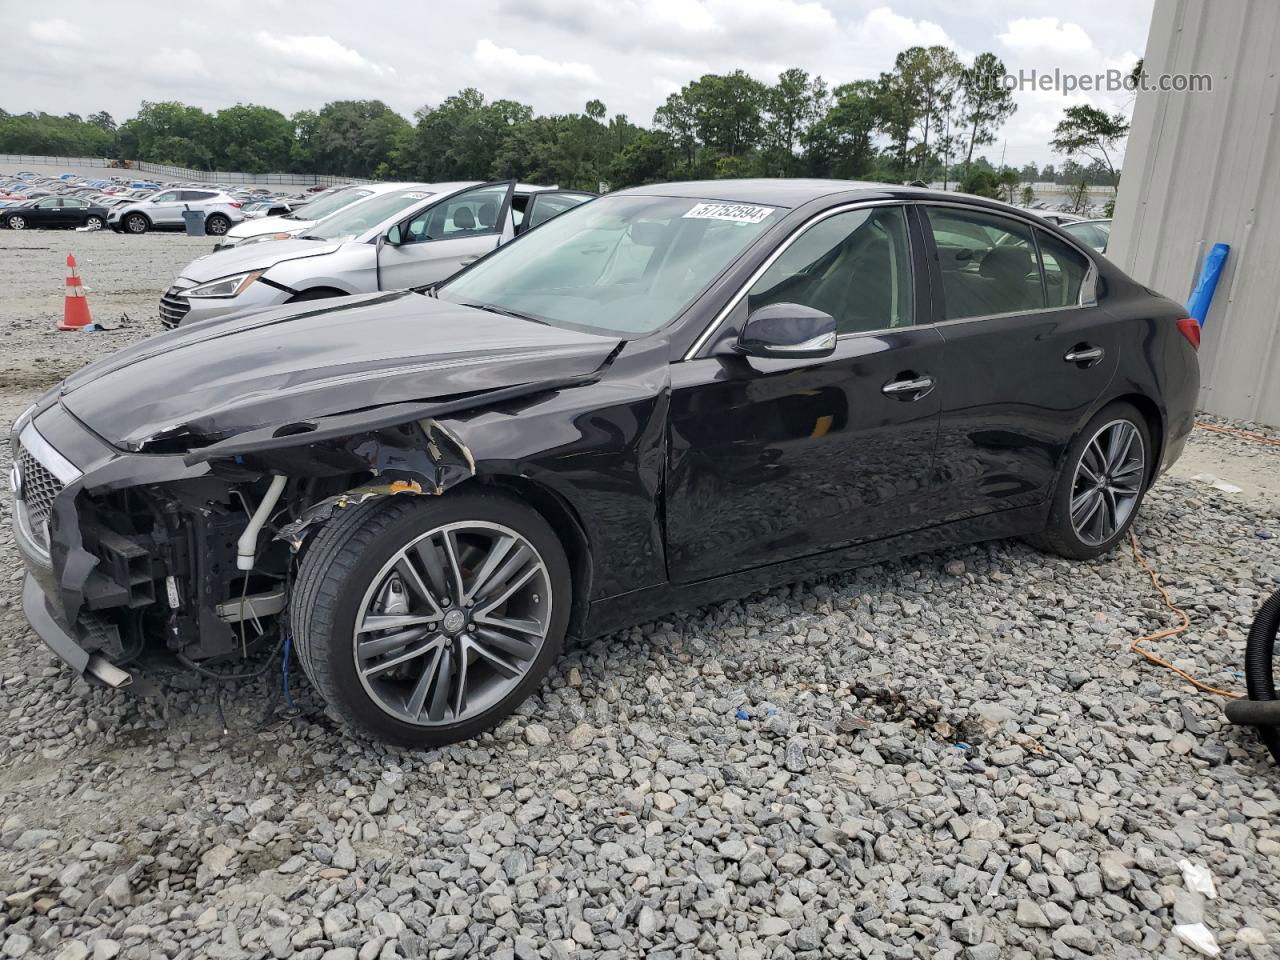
[{"x": 951, "y": 756}]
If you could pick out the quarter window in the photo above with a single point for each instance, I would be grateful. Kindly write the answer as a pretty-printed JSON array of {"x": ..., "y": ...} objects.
[
  {"x": 855, "y": 266},
  {"x": 1064, "y": 270},
  {"x": 988, "y": 263}
]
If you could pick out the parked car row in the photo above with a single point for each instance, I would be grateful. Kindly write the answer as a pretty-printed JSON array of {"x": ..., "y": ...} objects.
[
  {"x": 30, "y": 200},
  {"x": 381, "y": 237},
  {"x": 580, "y": 416}
]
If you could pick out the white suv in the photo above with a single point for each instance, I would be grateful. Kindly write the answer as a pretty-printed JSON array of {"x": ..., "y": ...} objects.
[{"x": 163, "y": 211}]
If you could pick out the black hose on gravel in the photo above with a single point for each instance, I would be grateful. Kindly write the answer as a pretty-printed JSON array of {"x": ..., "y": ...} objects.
[{"x": 1262, "y": 709}]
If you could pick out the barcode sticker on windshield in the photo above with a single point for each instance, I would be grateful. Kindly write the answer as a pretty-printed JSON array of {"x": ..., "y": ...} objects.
[
  {"x": 737, "y": 212},
  {"x": 416, "y": 196}
]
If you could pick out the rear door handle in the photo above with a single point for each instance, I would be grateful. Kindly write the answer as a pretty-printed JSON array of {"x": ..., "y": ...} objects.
[
  {"x": 912, "y": 389},
  {"x": 1085, "y": 354},
  {"x": 469, "y": 260}
]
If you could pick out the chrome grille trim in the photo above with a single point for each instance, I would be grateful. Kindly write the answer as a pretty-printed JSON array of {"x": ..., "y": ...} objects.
[
  {"x": 173, "y": 308},
  {"x": 40, "y": 473}
]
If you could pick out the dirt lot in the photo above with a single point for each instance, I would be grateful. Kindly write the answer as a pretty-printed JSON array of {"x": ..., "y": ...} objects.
[{"x": 955, "y": 755}]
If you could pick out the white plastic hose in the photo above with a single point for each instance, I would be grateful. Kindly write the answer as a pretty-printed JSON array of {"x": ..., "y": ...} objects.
[{"x": 247, "y": 545}]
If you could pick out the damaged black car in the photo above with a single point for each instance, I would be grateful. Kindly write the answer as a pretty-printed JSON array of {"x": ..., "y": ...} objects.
[{"x": 663, "y": 398}]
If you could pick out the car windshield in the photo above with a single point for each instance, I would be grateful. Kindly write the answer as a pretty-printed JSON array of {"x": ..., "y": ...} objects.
[
  {"x": 623, "y": 264},
  {"x": 359, "y": 217},
  {"x": 326, "y": 206}
]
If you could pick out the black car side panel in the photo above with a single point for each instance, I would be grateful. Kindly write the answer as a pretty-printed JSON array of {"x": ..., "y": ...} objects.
[{"x": 600, "y": 449}]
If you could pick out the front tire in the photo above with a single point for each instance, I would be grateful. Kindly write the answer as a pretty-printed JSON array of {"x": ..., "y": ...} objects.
[
  {"x": 136, "y": 223},
  {"x": 423, "y": 621},
  {"x": 94, "y": 223},
  {"x": 1101, "y": 486}
]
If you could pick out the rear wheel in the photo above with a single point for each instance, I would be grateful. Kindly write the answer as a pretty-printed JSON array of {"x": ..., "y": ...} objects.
[
  {"x": 217, "y": 225},
  {"x": 1101, "y": 486},
  {"x": 137, "y": 223},
  {"x": 17, "y": 223},
  {"x": 426, "y": 620}
]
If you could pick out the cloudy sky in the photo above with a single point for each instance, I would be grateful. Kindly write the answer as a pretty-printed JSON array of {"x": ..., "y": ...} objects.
[{"x": 552, "y": 54}]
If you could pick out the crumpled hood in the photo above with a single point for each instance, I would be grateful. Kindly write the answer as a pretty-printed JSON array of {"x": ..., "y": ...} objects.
[
  {"x": 211, "y": 380},
  {"x": 256, "y": 256}
]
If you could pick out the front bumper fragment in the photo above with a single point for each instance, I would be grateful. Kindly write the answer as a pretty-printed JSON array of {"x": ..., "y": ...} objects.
[{"x": 36, "y": 607}]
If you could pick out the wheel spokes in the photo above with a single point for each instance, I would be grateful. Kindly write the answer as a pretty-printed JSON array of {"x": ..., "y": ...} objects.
[
  {"x": 452, "y": 623},
  {"x": 412, "y": 652}
]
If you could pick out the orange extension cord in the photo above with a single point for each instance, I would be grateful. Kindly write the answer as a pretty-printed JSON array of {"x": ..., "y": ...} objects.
[
  {"x": 1136, "y": 645},
  {"x": 1242, "y": 434}
]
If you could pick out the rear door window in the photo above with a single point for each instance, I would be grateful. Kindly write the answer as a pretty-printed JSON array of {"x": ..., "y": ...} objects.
[
  {"x": 1065, "y": 269},
  {"x": 988, "y": 262}
]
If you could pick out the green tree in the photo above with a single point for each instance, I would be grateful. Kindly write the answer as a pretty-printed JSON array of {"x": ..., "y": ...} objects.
[
  {"x": 676, "y": 118},
  {"x": 251, "y": 138},
  {"x": 650, "y": 157},
  {"x": 353, "y": 138},
  {"x": 1085, "y": 130},
  {"x": 794, "y": 104},
  {"x": 985, "y": 102},
  {"x": 1028, "y": 195},
  {"x": 842, "y": 141},
  {"x": 464, "y": 138},
  {"x": 168, "y": 132}
]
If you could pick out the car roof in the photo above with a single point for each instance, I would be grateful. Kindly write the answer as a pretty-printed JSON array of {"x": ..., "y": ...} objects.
[
  {"x": 780, "y": 192},
  {"x": 795, "y": 193}
]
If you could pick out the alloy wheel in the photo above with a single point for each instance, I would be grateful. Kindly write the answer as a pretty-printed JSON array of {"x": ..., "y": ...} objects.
[
  {"x": 1108, "y": 482},
  {"x": 452, "y": 622},
  {"x": 136, "y": 224},
  {"x": 17, "y": 223},
  {"x": 95, "y": 222}
]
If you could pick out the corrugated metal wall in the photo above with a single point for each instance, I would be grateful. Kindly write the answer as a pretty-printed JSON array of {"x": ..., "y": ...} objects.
[{"x": 1203, "y": 168}]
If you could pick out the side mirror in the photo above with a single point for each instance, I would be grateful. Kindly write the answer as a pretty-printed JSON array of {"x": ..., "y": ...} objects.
[
  {"x": 788, "y": 331},
  {"x": 392, "y": 237}
]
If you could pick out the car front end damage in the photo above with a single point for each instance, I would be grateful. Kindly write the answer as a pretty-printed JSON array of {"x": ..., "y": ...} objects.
[
  {"x": 169, "y": 541},
  {"x": 142, "y": 558}
]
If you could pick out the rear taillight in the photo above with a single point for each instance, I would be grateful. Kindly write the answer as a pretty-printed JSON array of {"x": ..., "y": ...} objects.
[
  {"x": 1188, "y": 327},
  {"x": 236, "y": 205}
]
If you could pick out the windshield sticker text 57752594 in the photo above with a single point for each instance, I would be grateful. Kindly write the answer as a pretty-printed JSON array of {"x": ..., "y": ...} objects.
[{"x": 737, "y": 212}]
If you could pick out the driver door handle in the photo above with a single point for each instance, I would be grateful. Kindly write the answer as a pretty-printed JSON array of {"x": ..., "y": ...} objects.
[
  {"x": 467, "y": 261},
  {"x": 911, "y": 389}
]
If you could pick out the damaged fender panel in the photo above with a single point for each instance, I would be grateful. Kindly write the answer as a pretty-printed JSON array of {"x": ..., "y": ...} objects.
[{"x": 451, "y": 463}]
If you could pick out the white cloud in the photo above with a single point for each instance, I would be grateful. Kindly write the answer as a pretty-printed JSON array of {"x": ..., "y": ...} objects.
[
  {"x": 1046, "y": 35},
  {"x": 883, "y": 26},
  {"x": 318, "y": 53},
  {"x": 737, "y": 28},
  {"x": 180, "y": 65},
  {"x": 56, "y": 32},
  {"x": 505, "y": 61}
]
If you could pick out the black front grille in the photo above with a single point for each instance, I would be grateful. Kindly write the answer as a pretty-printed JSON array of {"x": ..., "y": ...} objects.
[
  {"x": 39, "y": 487},
  {"x": 173, "y": 308}
]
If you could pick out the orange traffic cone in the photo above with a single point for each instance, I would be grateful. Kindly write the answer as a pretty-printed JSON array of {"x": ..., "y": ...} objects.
[{"x": 75, "y": 308}]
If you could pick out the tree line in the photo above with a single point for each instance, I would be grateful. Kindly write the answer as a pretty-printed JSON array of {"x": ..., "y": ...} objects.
[{"x": 926, "y": 119}]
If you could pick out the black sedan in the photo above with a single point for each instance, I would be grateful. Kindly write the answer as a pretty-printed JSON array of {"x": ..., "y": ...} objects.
[
  {"x": 668, "y": 396},
  {"x": 54, "y": 212}
]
